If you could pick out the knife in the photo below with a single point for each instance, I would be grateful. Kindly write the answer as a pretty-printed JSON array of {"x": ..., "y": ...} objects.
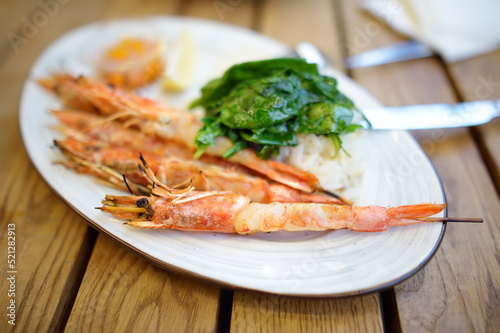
[
  {"x": 407, "y": 50},
  {"x": 429, "y": 116},
  {"x": 403, "y": 51}
]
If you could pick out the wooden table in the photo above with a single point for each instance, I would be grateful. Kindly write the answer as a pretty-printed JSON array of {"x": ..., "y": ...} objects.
[{"x": 71, "y": 278}]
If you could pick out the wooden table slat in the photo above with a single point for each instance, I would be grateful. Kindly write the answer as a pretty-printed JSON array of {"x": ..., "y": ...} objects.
[
  {"x": 271, "y": 313},
  {"x": 135, "y": 293},
  {"x": 52, "y": 241},
  {"x": 450, "y": 292},
  {"x": 121, "y": 291},
  {"x": 279, "y": 20},
  {"x": 50, "y": 247},
  {"x": 46, "y": 296},
  {"x": 479, "y": 79},
  {"x": 238, "y": 12},
  {"x": 268, "y": 313},
  {"x": 459, "y": 289}
]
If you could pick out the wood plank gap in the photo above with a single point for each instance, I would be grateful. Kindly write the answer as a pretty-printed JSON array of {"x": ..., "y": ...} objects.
[
  {"x": 390, "y": 313},
  {"x": 487, "y": 158},
  {"x": 182, "y": 7},
  {"x": 449, "y": 76},
  {"x": 258, "y": 6},
  {"x": 73, "y": 283},
  {"x": 225, "y": 310},
  {"x": 338, "y": 9}
]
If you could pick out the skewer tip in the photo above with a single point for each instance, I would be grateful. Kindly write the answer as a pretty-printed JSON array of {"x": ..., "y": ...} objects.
[{"x": 454, "y": 219}]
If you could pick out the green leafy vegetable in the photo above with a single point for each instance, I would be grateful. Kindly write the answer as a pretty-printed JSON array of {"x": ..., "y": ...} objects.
[{"x": 265, "y": 104}]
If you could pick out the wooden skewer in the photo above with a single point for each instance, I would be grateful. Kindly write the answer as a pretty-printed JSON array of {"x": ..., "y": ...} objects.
[
  {"x": 336, "y": 196},
  {"x": 453, "y": 219}
]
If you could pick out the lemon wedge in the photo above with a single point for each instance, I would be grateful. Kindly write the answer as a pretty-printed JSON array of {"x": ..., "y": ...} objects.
[{"x": 180, "y": 68}]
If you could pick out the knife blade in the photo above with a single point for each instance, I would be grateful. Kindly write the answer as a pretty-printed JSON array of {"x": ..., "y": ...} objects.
[
  {"x": 430, "y": 116},
  {"x": 407, "y": 50}
]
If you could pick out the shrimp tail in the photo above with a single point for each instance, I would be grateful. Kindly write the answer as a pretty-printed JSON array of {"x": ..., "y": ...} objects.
[{"x": 413, "y": 214}]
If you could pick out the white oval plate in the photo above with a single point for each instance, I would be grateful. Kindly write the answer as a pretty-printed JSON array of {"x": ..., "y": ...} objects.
[{"x": 335, "y": 263}]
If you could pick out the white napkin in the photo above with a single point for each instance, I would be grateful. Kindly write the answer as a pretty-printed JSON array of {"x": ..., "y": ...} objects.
[{"x": 456, "y": 29}]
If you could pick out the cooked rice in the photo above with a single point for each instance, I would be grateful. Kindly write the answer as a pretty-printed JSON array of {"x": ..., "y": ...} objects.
[{"x": 336, "y": 172}]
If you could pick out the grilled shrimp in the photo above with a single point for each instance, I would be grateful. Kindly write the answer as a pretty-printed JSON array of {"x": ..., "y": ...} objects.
[
  {"x": 132, "y": 110},
  {"x": 225, "y": 212},
  {"x": 111, "y": 162}
]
